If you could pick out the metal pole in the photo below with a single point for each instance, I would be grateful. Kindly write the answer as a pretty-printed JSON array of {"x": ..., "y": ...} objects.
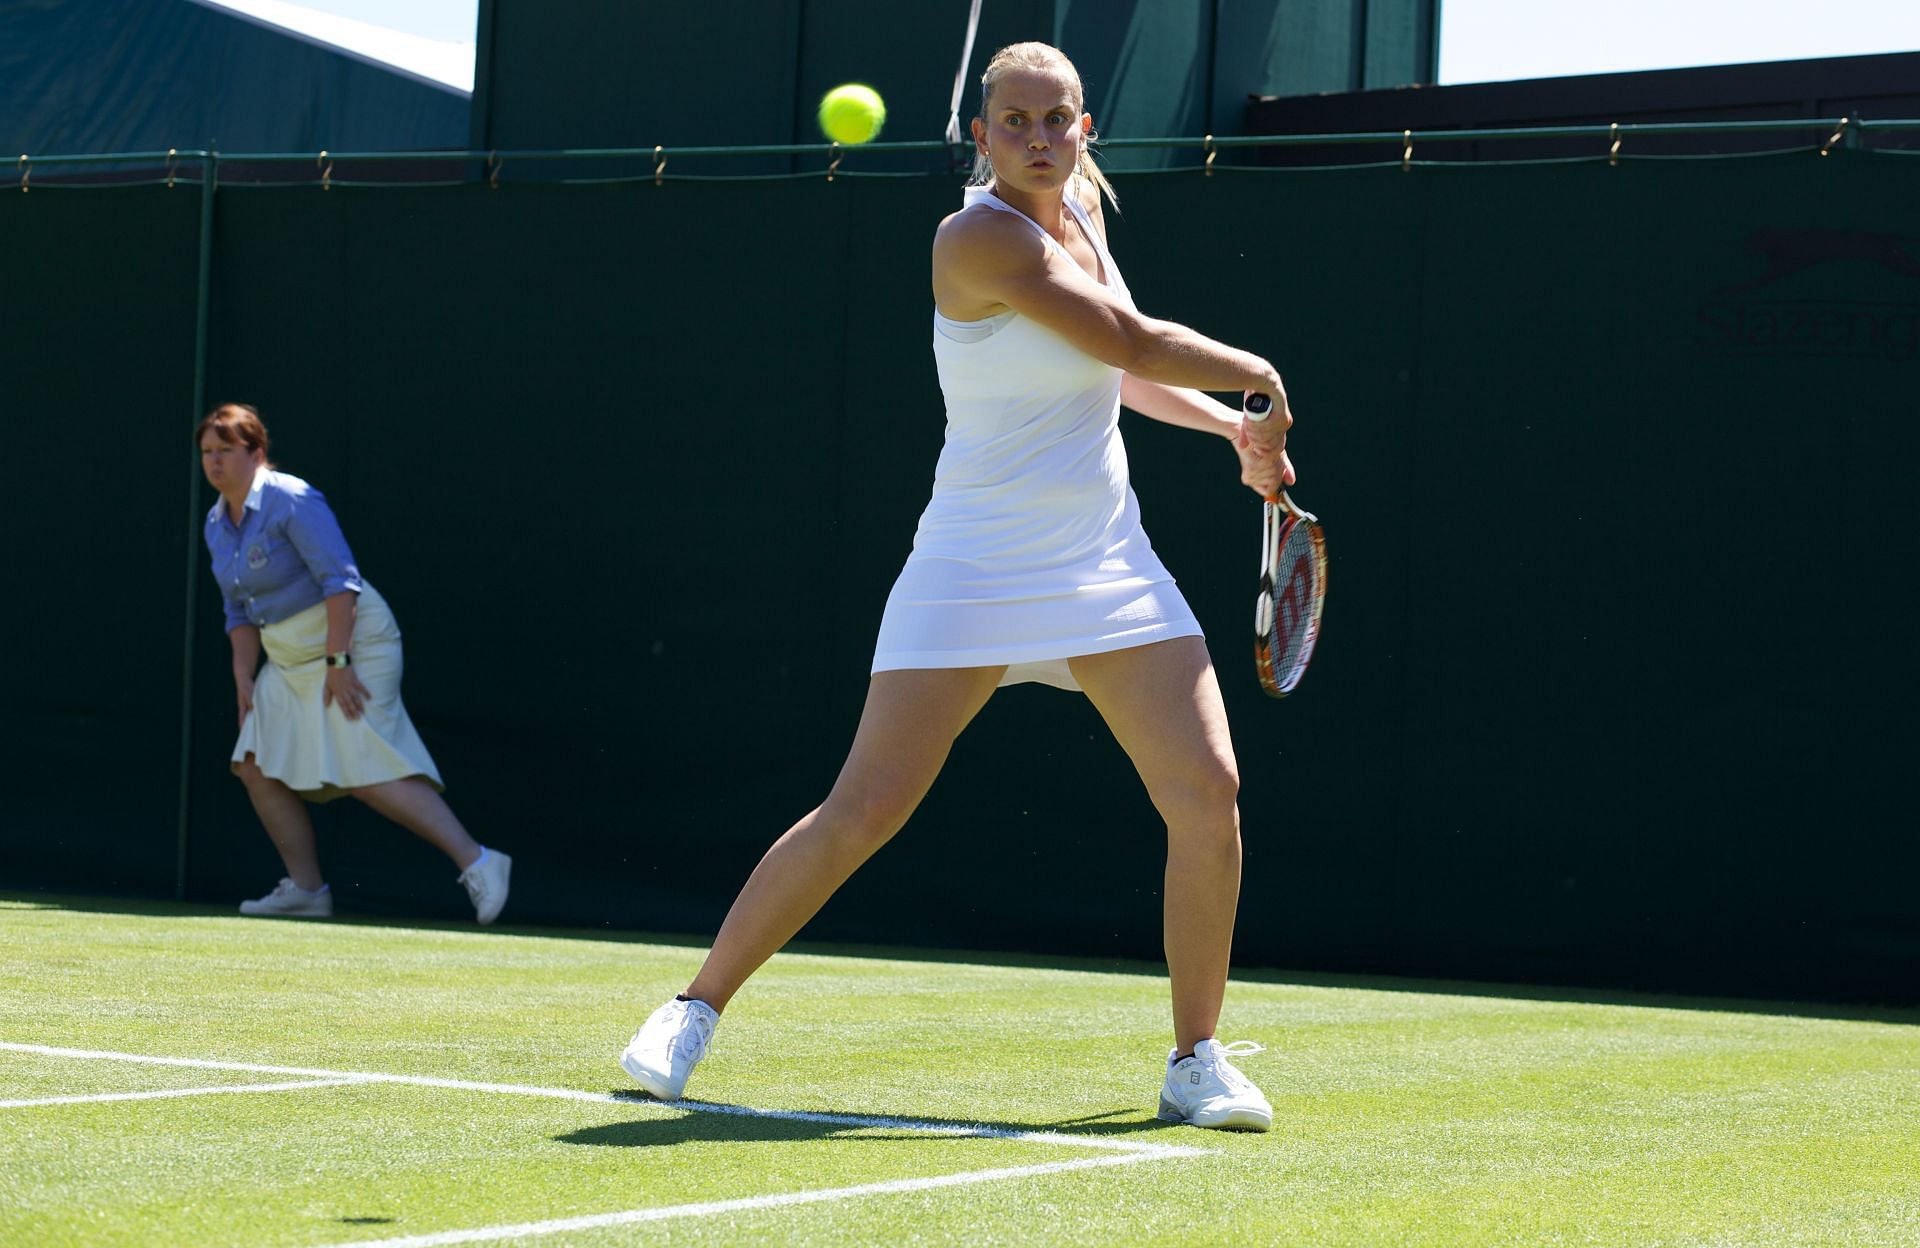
[{"x": 209, "y": 180}]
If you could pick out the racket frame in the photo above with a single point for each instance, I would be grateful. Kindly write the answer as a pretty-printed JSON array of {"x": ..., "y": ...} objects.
[{"x": 1282, "y": 518}]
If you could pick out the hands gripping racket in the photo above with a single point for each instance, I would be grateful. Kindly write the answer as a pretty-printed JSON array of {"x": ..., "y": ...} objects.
[{"x": 1293, "y": 585}]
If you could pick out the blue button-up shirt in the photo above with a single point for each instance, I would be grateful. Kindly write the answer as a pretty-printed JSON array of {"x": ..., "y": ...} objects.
[{"x": 286, "y": 554}]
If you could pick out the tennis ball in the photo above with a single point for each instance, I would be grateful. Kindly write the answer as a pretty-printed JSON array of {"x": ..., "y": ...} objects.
[{"x": 852, "y": 113}]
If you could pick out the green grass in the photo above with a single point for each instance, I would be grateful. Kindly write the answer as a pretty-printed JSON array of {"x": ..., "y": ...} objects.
[{"x": 1403, "y": 1115}]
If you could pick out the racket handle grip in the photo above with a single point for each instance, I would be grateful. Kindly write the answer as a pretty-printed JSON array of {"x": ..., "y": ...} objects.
[{"x": 1257, "y": 407}]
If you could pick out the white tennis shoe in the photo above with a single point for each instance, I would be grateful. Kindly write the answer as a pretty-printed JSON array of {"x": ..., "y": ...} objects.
[
  {"x": 668, "y": 1046},
  {"x": 486, "y": 883},
  {"x": 1206, "y": 1089},
  {"x": 289, "y": 900}
]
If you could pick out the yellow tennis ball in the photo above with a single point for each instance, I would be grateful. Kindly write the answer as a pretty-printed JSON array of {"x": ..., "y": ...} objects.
[{"x": 852, "y": 113}]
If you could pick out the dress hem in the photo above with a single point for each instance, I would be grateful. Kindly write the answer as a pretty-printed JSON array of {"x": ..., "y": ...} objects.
[
  {"x": 329, "y": 790},
  {"x": 921, "y": 660}
]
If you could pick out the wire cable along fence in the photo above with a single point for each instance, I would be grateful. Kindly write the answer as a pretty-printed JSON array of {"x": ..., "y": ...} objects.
[{"x": 1407, "y": 148}]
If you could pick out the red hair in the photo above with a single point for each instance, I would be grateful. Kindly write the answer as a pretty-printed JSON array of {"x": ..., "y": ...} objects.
[{"x": 238, "y": 424}]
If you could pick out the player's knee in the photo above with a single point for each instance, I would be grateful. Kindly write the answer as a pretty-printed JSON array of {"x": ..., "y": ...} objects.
[
  {"x": 866, "y": 819},
  {"x": 1204, "y": 796},
  {"x": 1223, "y": 784}
]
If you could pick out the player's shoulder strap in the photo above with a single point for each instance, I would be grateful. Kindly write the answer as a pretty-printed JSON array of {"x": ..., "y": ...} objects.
[{"x": 983, "y": 195}]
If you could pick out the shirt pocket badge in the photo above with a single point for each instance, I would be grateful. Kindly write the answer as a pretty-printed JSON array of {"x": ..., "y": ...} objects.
[{"x": 256, "y": 556}]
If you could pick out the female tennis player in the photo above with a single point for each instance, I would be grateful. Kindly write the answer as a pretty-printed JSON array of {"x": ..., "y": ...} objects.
[
  {"x": 1030, "y": 565},
  {"x": 324, "y": 717}
]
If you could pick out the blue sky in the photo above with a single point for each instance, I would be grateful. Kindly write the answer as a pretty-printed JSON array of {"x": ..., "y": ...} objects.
[
  {"x": 432, "y": 38},
  {"x": 1489, "y": 40},
  {"x": 447, "y": 20},
  {"x": 1480, "y": 40}
]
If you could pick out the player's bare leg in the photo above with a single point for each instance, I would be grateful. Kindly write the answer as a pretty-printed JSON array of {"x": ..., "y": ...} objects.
[
  {"x": 906, "y": 731},
  {"x": 1163, "y": 705},
  {"x": 908, "y": 727}
]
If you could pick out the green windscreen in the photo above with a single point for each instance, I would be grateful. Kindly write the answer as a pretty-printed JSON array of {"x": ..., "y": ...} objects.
[{"x": 1614, "y": 684}]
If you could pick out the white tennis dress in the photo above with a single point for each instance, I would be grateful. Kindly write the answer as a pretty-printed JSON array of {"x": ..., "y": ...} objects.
[{"x": 1030, "y": 551}]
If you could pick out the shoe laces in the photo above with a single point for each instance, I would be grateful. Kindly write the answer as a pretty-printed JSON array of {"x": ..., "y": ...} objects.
[
  {"x": 475, "y": 882},
  {"x": 1228, "y": 1073},
  {"x": 286, "y": 888},
  {"x": 696, "y": 1033}
]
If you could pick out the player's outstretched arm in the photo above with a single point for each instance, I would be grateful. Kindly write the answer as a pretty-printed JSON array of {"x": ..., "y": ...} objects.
[
  {"x": 1179, "y": 405},
  {"x": 986, "y": 261},
  {"x": 1262, "y": 468}
]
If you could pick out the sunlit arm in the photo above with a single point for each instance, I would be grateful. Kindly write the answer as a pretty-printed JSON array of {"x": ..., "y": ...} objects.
[{"x": 1179, "y": 405}]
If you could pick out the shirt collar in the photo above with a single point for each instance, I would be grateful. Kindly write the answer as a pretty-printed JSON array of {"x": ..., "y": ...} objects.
[{"x": 259, "y": 483}]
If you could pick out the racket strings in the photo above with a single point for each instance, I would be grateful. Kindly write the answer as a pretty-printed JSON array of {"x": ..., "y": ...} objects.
[
  {"x": 1292, "y": 589},
  {"x": 1294, "y": 619}
]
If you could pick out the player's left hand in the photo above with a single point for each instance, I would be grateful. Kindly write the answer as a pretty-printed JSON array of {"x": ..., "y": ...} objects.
[
  {"x": 344, "y": 687},
  {"x": 1262, "y": 470},
  {"x": 1270, "y": 432}
]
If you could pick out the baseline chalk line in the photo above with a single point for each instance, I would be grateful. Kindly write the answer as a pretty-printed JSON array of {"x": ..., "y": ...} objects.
[
  {"x": 1118, "y": 1152},
  {"x": 162, "y": 1093}
]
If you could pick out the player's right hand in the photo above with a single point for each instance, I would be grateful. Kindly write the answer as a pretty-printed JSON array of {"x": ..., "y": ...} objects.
[{"x": 1262, "y": 471}]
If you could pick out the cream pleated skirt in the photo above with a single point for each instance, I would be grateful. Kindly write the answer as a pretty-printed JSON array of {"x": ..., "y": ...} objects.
[{"x": 312, "y": 748}]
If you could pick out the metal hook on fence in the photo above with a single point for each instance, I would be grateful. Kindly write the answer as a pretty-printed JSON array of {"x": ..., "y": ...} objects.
[
  {"x": 659, "y": 163},
  {"x": 1827, "y": 147},
  {"x": 326, "y": 170},
  {"x": 833, "y": 150},
  {"x": 1210, "y": 155},
  {"x": 173, "y": 165},
  {"x": 1406, "y": 153},
  {"x": 1613, "y": 153},
  {"x": 493, "y": 170},
  {"x": 26, "y": 171}
]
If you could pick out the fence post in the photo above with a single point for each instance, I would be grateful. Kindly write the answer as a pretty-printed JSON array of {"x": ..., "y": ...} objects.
[{"x": 209, "y": 181}]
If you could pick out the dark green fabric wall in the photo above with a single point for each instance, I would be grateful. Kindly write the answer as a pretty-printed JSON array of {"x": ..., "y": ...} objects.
[
  {"x": 96, "y": 380},
  {"x": 589, "y": 73},
  {"x": 1615, "y": 685}
]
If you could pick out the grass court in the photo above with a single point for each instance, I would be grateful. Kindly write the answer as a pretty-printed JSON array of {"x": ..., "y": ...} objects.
[{"x": 174, "y": 1075}]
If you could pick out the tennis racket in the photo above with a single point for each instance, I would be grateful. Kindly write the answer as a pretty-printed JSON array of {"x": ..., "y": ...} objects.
[{"x": 1293, "y": 585}]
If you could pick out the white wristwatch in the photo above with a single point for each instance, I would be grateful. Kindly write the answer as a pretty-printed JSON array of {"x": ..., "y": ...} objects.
[{"x": 340, "y": 659}]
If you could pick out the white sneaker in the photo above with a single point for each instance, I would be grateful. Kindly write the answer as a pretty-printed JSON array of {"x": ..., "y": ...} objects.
[
  {"x": 289, "y": 899},
  {"x": 668, "y": 1046},
  {"x": 1207, "y": 1091},
  {"x": 486, "y": 882}
]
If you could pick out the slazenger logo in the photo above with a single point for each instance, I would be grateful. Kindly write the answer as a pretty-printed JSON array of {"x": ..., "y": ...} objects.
[{"x": 1759, "y": 317}]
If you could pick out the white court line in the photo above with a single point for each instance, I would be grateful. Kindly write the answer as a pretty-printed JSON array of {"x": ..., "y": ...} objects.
[
  {"x": 1121, "y": 1152},
  {"x": 166, "y": 1092},
  {"x": 315, "y": 1072},
  {"x": 820, "y": 1195},
  {"x": 570, "y": 1094}
]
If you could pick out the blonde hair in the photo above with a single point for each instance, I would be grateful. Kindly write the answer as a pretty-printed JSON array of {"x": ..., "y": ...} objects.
[{"x": 1045, "y": 58}]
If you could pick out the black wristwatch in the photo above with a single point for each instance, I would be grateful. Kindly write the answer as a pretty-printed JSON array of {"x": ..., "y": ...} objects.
[{"x": 340, "y": 659}]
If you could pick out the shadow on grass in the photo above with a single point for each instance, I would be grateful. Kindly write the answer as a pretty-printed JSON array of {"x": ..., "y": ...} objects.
[
  {"x": 1907, "y": 1015},
  {"x": 713, "y": 1120}
]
